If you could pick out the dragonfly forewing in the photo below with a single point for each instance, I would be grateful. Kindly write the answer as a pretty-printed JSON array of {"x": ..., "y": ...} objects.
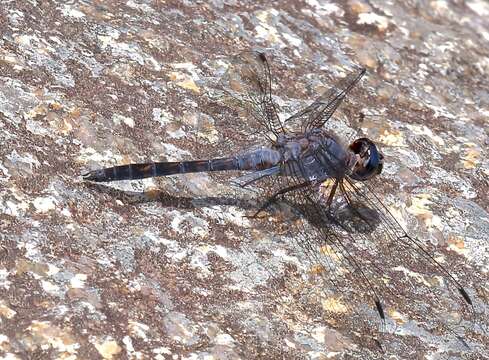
[
  {"x": 320, "y": 111},
  {"x": 249, "y": 81}
]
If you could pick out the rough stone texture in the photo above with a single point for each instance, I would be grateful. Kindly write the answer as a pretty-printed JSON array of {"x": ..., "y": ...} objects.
[{"x": 142, "y": 269}]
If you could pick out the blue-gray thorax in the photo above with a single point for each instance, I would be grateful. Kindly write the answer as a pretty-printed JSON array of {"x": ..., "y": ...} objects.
[{"x": 314, "y": 156}]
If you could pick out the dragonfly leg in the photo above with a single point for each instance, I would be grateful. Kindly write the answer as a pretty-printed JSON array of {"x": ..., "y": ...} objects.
[
  {"x": 331, "y": 195},
  {"x": 274, "y": 197}
]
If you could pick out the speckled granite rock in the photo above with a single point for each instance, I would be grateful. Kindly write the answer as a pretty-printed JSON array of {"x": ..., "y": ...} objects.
[{"x": 169, "y": 268}]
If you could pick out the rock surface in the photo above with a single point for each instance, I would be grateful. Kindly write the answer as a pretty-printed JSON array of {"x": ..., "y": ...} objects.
[{"x": 170, "y": 268}]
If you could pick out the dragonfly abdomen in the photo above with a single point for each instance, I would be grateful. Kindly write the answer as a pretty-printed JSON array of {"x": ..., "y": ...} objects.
[
  {"x": 154, "y": 169},
  {"x": 253, "y": 160}
]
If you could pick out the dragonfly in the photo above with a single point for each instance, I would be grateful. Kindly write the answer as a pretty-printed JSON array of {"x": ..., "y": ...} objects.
[{"x": 323, "y": 179}]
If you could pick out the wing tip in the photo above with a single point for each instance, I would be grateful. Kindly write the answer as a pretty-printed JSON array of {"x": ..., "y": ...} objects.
[{"x": 465, "y": 295}]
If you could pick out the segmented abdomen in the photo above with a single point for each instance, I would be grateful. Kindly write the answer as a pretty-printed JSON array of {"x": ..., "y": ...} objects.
[
  {"x": 252, "y": 160},
  {"x": 141, "y": 171}
]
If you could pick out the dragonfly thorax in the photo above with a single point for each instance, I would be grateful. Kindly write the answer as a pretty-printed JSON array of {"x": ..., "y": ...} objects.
[{"x": 315, "y": 155}]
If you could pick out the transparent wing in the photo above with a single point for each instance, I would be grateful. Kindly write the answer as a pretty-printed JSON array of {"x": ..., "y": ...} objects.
[
  {"x": 248, "y": 80},
  {"x": 408, "y": 276},
  {"x": 416, "y": 253},
  {"x": 348, "y": 291},
  {"x": 334, "y": 246},
  {"x": 370, "y": 267},
  {"x": 316, "y": 114}
]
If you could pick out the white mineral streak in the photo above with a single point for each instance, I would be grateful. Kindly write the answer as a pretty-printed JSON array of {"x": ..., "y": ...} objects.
[
  {"x": 50, "y": 287},
  {"x": 250, "y": 276},
  {"x": 4, "y": 342},
  {"x": 439, "y": 175},
  {"x": 228, "y": 214},
  {"x": 107, "y": 40},
  {"x": 25, "y": 158},
  {"x": 140, "y": 6},
  {"x": 118, "y": 119},
  {"x": 11, "y": 59},
  {"x": 162, "y": 350},
  {"x": 10, "y": 356},
  {"x": 319, "y": 334},
  {"x": 398, "y": 214},
  {"x": 12, "y": 110},
  {"x": 127, "y": 341},
  {"x": 26, "y": 40},
  {"x": 78, "y": 281},
  {"x": 283, "y": 255},
  {"x": 162, "y": 117},
  {"x": 199, "y": 226},
  {"x": 177, "y": 134},
  {"x": 17, "y": 205},
  {"x": 9, "y": 208},
  {"x": 480, "y": 7},
  {"x": 290, "y": 344},
  {"x": 125, "y": 50},
  {"x": 36, "y": 128},
  {"x": 134, "y": 285},
  {"x": 68, "y": 10},
  {"x": 324, "y": 8},
  {"x": 418, "y": 277},
  {"x": 52, "y": 270},
  {"x": 66, "y": 212},
  {"x": 426, "y": 131},
  {"x": 292, "y": 39},
  {"x": 138, "y": 329},
  {"x": 44, "y": 204},
  {"x": 173, "y": 250},
  {"x": 224, "y": 339},
  {"x": 265, "y": 31},
  {"x": 15, "y": 16},
  {"x": 410, "y": 158},
  {"x": 173, "y": 153},
  {"x": 187, "y": 66},
  {"x": 373, "y": 19},
  {"x": 4, "y": 173},
  {"x": 89, "y": 154},
  {"x": 4, "y": 282}
]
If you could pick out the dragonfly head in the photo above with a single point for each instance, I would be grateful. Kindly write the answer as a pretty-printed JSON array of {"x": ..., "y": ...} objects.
[{"x": 369, "y": 160}]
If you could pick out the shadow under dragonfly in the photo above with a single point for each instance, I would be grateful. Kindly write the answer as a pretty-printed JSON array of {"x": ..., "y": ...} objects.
[
  {"x": 171, "y": 201},
  {"x": 353, "y": 218}
]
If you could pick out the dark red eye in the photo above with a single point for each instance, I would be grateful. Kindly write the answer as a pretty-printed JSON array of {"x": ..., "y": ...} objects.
[
  {"x": 373, "y": 165},
  {"x": 357, "y": 145}
]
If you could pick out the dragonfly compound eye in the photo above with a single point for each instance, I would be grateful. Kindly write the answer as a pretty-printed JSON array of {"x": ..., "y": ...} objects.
[{"x": 369, "y": 160}]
